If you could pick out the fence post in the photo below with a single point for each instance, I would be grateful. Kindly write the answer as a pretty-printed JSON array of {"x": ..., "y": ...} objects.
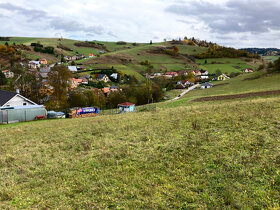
[{"x": 7, "y": 116}]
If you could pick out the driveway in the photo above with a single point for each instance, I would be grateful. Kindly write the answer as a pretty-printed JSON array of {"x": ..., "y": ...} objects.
[{"x": 185, "y": 92}]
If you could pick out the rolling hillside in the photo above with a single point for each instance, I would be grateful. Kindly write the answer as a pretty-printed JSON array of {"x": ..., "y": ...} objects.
[{"x": 127, "y": 57}]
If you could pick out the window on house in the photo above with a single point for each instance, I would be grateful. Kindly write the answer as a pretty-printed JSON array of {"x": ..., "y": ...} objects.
[{"x": 24, "y": 104}]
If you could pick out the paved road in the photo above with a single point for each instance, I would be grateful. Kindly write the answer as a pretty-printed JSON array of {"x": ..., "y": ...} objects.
[{"x": 185, "y": 92}]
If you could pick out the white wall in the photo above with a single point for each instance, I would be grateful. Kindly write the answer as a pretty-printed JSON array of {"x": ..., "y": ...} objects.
[{"x": 18, "y": 101}]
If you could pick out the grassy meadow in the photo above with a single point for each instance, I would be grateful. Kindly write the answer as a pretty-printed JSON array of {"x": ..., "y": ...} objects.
[
  {"x": 225, "y": 65},
  {"x": 206, "y": 155}
]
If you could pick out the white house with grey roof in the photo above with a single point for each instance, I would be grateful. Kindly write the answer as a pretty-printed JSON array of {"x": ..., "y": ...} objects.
[
  {"x": 34, "y": 64},
  {"x": 13, "y": 99}
]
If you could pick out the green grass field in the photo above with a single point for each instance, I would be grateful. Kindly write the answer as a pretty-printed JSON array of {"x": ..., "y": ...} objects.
[
  {"x": 54, "y": 42},
  {"x": 215, "y": 156},
  {"x": 225, "y": 65}
]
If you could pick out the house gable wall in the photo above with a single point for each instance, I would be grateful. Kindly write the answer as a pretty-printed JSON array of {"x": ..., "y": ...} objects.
[{"x": 18, "y": 101}]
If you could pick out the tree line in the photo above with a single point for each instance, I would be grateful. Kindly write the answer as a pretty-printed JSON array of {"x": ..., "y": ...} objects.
[{"x": 225, "y": 52}]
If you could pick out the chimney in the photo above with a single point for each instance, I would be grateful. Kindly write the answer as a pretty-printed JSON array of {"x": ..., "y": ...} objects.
[{"x": 17, "y": 91}]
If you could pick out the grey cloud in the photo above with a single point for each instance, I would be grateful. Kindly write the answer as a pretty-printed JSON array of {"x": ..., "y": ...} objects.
[
  {"x": 30, "y": 13},
  {"x": 56, "y": 23},
  {"x": 110, "y": 33},
  {"x": 233, "y": 16}
]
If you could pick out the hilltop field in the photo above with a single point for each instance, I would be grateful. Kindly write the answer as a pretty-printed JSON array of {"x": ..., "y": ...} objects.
[
  {"x": 127, "y": 57},
  {"x": 191, "y": 155}
]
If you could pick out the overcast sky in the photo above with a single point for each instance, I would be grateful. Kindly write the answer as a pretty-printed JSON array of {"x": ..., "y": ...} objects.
[{"x": 236, "y": 23}]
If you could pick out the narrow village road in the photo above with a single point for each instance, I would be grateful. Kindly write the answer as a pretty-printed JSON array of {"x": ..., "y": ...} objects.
[{"x": 185, "y": 92}]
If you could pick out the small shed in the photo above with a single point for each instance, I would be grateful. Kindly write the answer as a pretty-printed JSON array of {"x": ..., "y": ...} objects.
[{"x": 126, "y": 107}]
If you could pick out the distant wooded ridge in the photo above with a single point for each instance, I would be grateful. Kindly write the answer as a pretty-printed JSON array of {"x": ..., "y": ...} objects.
[
  {"x": 262, "y": 51},
  {"x": 4, "y": 38}
]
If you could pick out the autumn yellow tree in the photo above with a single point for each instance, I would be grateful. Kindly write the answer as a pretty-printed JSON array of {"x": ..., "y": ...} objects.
[{"x": 59, "y": 80}]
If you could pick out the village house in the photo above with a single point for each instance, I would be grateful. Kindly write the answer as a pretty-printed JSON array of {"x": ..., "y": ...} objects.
[
  {"x": 8, "y": 74},
  {"x": 171, "y": 74},
  {"x": 106, "y": 91},
  {"x": 197, "y": 73},
  {"x": 81, "y": 68},
  {"x": 156, "y": 75},
  {"x": 84, "y": 80},
  {"x": 184, "y": 84},
  {"x": 45, "y": 70},
  {"x": 248, "y": 70},
  {"x": 13, "y": 99},
  {"x": 183, "y": 72},
  {"x": 103, "y": 77},
  {"x": 69, "y": 58},
  {"x": 204, "y": 77},
  {"x": 75, "y": 83},
  {"x": 153, "y": 75},
  {"x": 73, "y": 69},
  {"x": 114, "y": 76},
  {"x": 34, "y": 64},
  {"x": 114, "y": 88},
  {"x": 204, "y": 73},
  {"x": 78, "y": 57},
  {"x": 91, "y": 55},
  {"x": 223, "y": 77},
  {"x": 206, "y": 85},
  {"x": 43, "y": 61}
]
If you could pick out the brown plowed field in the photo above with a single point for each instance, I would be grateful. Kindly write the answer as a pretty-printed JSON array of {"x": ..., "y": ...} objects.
[{"x": 244, "y": 95}]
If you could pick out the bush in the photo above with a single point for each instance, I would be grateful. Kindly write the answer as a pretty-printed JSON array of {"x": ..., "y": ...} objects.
[
  {"x": 170, "y": 52},
  {"x": 121, "y": 43},
  {"x": 277, "y": 65},
  {"x": 261, "y": 67},
  {"x": 145, "y": 63}
]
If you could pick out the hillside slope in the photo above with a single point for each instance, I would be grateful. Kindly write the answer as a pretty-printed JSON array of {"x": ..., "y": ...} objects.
[
  {"x": 222, "y": 155},
  {"x": 127, "y": 57},
  {"x": 246, "y": 83}
]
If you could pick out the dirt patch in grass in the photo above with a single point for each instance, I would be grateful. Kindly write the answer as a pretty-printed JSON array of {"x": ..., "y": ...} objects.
[
  {"x": 253, "y": 78},
  {"x": 228, "y": 97}
]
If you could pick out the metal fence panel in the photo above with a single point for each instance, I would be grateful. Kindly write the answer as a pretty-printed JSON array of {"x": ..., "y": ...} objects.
[
  {"x": 32, "y": 113},
  {"x": 16, "y": 115},
  {"x": 20, "y": 115}
]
